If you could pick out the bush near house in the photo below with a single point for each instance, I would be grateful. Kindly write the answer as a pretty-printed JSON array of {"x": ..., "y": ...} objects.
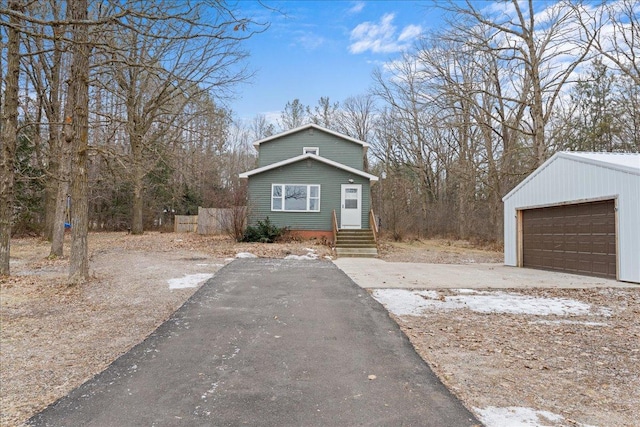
[{"x": 264, "y": 232}]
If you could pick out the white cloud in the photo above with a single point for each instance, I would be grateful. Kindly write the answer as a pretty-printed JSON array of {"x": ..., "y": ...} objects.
[
  {"x": 500, "y": 8},
  {"x": 356, "y": 8},
  {"x": 380, "y": 37},
  {"x": 309, "y": 41},
  {"x": 410, "y": 32}
]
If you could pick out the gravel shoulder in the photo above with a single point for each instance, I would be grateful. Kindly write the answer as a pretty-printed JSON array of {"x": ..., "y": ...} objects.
[{"x": 54, "y": 336}]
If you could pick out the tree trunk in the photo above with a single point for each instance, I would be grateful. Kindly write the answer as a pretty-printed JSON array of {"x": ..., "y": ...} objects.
[
  {"x": 79, "y": 262},
  {"x": 537, "y": 116},
  {"x": 62, "y": 188},
  {"x": 51, "y": 188},
  {"x": 58, "y": 191},
  {"x": 9, "y": 137},
  {"x": 55, "y": 146},
  {"x": 138, "y": 185}
]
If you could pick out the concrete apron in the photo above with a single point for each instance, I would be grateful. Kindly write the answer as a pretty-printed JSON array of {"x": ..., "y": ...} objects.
[{"x": 375, "y": 273}]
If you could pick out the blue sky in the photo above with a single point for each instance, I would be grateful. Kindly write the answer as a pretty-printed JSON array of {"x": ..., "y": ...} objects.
[{"x": 324, "y": 48}]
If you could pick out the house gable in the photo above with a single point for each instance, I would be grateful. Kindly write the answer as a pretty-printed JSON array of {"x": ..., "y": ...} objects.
[{"x": 333, "y": 146}]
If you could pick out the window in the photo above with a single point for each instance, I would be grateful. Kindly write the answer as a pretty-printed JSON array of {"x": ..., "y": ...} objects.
[
  {"x": 295, "y": 197},
  {"x": 351, "y": 198},
  {"x": 311, "y": 150}
]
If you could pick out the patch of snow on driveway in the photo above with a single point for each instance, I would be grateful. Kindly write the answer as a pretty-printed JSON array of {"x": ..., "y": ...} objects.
[
  {"x": 189, "y": 280},
  {"x": 515, "y": 416},
  {"x": 402, "y": 302}
]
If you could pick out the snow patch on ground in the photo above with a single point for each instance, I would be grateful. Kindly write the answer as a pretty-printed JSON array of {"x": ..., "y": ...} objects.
[
  {"x": 245, "y": 255},
  {"x": 189, "y": 280},
  {"x": 514, "y": 416},
  {"x": 311, "y": 255},
  {"x": 403, "y": 302}
]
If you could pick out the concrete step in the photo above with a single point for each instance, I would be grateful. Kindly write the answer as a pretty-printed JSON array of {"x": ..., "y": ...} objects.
[
  {"x": 349, "y": 232},
  {"x": 356, "y": 244},
  {"x": 357, "y": 252},
  {"x": 361, "y": 237},
  {"x": 358, "y": 247}
]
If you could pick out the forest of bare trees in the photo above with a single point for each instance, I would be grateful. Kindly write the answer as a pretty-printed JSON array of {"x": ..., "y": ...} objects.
[
  {"x": 113, "y": 112},
  {"x": 112, "y": 117},
  {"x": 457, "y": 122}
]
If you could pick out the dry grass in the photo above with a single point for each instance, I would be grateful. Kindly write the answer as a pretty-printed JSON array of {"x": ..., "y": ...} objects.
[
  {"x": 439, "y": 251},
  {"x": 54, "y": 337}
]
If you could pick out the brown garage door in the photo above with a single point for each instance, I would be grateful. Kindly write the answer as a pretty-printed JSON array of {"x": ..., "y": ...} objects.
[{"x": 579, "y": 238}]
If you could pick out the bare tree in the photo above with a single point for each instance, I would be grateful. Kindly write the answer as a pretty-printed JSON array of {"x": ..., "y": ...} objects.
[
  {"x": 294, "y": 115},
  {"x": 628, "y": 120},
  {"x": 406, "y": 139},
  {"x": 324, "y": 113},
  {"x": 9, "y": 131},
  {"x": 157, "y": 74},
  {"x": 45, "y": 70},
  {"x": 613, "y": 29},
  {"x": 356, "y": 117},
  {"x": 531, "y": 43},
  {"x": 78, "y": 124},
  {"x": 43, "y": 63},
  {"x": 261, "y": 128},
  {"x": 476, "y": 96}
]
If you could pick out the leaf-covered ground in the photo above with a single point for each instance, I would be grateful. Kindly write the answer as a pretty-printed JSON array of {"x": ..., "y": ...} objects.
[{"x": 54, "y": 337}]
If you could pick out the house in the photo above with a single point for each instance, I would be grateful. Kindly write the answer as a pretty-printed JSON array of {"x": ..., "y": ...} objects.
[
  {"x": 306, "y": 174},
  {"x": 577, "y": 213}
]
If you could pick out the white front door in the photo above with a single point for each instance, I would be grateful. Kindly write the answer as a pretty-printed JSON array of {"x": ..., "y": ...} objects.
[{"x": 351, "y": 202}]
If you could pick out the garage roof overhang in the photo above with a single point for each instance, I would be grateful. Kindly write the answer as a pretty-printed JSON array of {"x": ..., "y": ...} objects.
[{"x": 624, "y": 162}]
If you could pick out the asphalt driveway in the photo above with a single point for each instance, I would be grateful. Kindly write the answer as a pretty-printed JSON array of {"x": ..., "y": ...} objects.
[{"x": 268, "y": 343}]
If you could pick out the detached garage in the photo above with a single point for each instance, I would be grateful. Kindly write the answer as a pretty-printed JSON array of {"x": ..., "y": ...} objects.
[{"x": 577, "y": 213}]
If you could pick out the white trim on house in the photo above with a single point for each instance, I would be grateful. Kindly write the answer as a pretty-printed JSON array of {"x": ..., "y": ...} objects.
[
  {"x": 246, "y": 175},
  {"x": 310, "y": 126},
  {"x": 283, "y": 197}
]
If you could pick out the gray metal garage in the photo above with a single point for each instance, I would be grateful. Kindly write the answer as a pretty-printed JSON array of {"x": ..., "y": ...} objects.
[{"x": 577, "y": 213}]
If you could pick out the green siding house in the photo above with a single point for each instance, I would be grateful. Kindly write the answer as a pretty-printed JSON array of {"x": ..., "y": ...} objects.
[{"x": 305, "y": 174}]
